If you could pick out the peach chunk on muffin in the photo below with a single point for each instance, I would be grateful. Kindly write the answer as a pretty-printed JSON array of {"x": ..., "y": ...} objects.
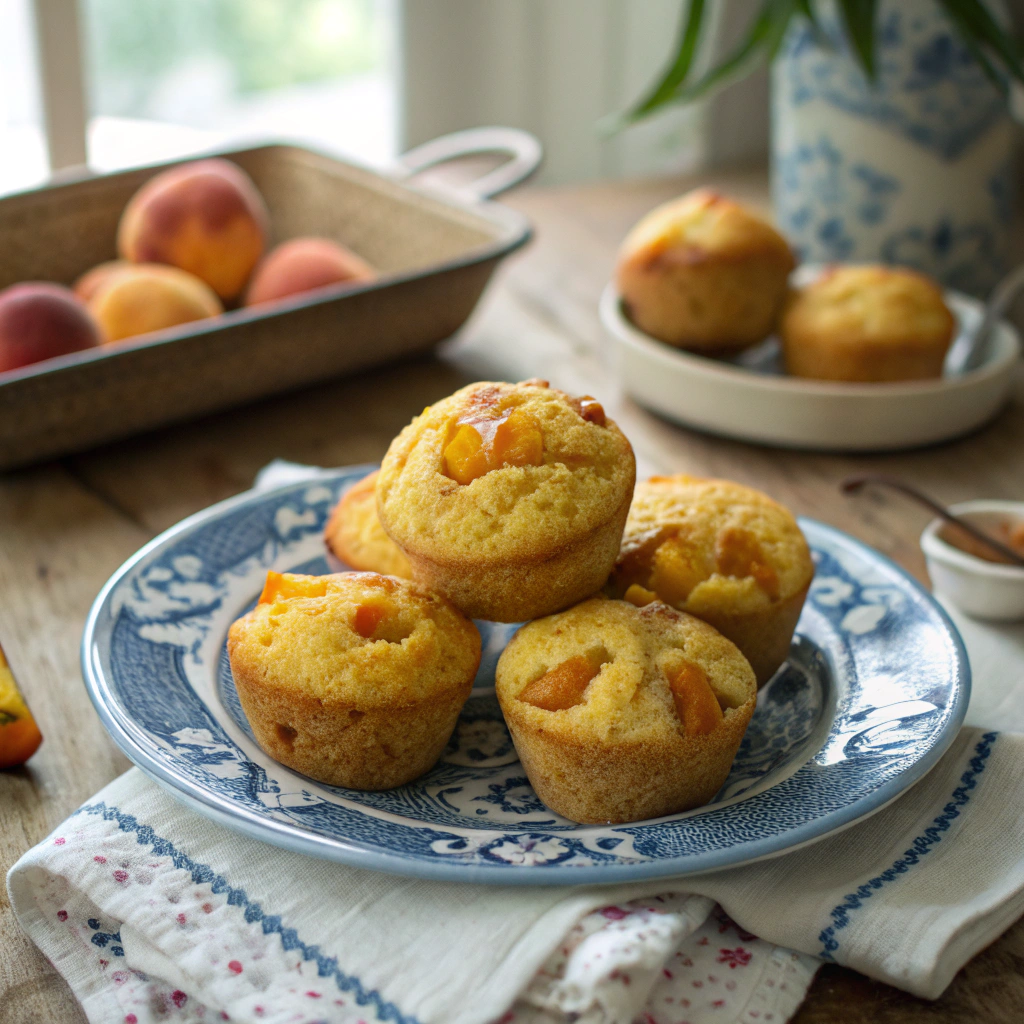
[
  {"x": 354, "y": 679},
  {"x": 724, "y": 552},
  {"x": 621, "y": 713},
  {"x": 354, "y": 535},
  {"x": 508, "y": 498}
]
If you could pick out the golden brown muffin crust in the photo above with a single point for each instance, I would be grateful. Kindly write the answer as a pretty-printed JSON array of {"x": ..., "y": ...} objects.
[
  {"x": 704, "y": 273},
  {"x": 354, "y": 534},
  {"x": 867, "y": 323},
  {"x": 623, "y": 751}
]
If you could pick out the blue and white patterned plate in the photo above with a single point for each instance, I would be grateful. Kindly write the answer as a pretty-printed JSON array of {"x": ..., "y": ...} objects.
[{"x": 874, "y": 691}]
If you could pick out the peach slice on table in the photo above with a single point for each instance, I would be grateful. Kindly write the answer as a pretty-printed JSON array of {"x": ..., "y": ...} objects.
[
  {"x": 738, "y": 553},
  {"x": 281, "y": 586},
  {"x": 483, "y": 444},
  {"x": 563, "y": 686},
  {"x": 19, "y": 735},
  {"x": 696, "y": 704}
]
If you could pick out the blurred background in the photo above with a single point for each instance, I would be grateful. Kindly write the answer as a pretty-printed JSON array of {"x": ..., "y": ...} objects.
[{"x": 117, "y": 83}]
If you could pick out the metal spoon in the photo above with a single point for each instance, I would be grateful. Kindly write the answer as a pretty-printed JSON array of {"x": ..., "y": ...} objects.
[
  {"x": 853, "y": 484},
  {"x": 971, "y": 351}
]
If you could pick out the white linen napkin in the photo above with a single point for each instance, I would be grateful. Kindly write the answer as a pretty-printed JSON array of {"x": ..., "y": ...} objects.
[{"x": 149, "y": 909}]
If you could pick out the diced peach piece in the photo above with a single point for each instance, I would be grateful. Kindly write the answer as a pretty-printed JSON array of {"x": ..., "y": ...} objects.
[
  {"x": 368, "y": 617},
  {"x": 738, "y": 553},
  {"x": 281, "y": 586},
  {"x": 484, "y": 444},
  {"x": 696, "y": 704},
  {"x": 640, "y": 596},
  {"x": 563, "y": 687},
  {"x": 675, "y": 570},
  {"x": 518, "y": 441},
  {"x": 465, "y": 457},
  {"x": 592, "y": 410}
]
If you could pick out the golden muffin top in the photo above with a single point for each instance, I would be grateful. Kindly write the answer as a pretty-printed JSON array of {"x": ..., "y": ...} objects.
[
  {"x": 703, "y": 545},
  {"x": 869, "y": 305},
  {"x": 703, "y": 225},
  {"x": 354, "y": 534},
  {"x": 609, "y": 670},
  {"x": 503, "y": 471},
  {"x": 356, "y": 638}
]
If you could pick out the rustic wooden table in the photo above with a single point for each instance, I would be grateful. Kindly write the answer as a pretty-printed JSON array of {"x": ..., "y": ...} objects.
[{"x": 65, "y": 527}]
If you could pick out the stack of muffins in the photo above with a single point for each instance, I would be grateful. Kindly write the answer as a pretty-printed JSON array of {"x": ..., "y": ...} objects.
[
  {"x": 705, "y": 274},
  {"x": 653, "y": 611}
]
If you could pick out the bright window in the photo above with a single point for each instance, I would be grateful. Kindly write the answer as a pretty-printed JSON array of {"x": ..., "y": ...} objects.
[
  {"x": 23, "y": 160},
  {"x": 166, "y": 78}
]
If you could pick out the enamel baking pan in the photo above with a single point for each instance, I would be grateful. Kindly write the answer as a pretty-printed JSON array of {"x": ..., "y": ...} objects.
[{"x": 435, "y": 251}]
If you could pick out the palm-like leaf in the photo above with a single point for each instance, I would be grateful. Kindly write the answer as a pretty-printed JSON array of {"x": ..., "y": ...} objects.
[{"x": 995, "y": 50}]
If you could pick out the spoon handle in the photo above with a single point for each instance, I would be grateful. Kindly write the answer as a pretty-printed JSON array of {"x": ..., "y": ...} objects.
[
  {"x": 973, "y": 355},
  {"x": 853, "y": 484}
]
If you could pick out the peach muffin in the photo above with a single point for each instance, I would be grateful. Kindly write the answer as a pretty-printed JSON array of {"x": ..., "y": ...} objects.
[
  {"x": 508, "y": 498},
  {"x": 723, "y": 552},
  {"x": 621, "y": 713},
  {"x": 704, "y": 273},
  {"x": 867, "y": 323},
  {"x": 354, "y": 679},
  {"x": 354, "y": 534}
]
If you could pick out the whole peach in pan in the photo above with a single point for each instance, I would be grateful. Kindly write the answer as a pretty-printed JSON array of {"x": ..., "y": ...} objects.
[
  {"x": 205, "y": 217},
  {"x": 302, "y": 264},
  {"x": 151, "y": 297},
  {"x": 40, "y": 320}
]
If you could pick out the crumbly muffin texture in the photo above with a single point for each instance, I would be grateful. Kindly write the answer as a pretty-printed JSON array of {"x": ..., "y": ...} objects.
[
  {"x": 564, "y": 489},
  {"x": 621, "y": 713},
  {"x": 867, "y": 323},
  {"x": 637, "y": 652},
  {"x": 354, "y": 679},
  {"x": 354, "y": 534},
  {"x": 356, "y": 638},
  {"x": 704, "y": 273},
  {"x": 701, "y": 544}
]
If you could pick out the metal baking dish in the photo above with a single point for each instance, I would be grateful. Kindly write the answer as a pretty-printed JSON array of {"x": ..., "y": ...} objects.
[{"x": 435, "y": 250}]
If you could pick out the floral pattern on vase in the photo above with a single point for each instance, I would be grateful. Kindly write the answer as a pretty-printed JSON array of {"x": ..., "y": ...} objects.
[{"x": 913, "y": 169}]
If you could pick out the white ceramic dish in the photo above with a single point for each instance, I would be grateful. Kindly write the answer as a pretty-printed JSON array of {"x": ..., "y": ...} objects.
[
  {"x": 748, "y": 398},
  {"x": 983, "y": 589}
]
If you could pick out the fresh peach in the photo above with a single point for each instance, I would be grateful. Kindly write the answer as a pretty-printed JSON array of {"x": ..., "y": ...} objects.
[
  {"x": 205, "y": 217},
  {"x": 93, "y": 280},
  {"x": 39, "y": 320},
  {"x": 149, "y": 297},
  {"x": 302, "y": 265}
]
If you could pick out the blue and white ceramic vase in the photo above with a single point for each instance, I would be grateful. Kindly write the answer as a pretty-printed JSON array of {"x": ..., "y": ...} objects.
[{"x": 913, "y": 170}]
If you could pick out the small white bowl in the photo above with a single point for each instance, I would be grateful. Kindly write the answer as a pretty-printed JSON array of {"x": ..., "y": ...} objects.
[
  {"x": 750, "y": 399},
  {"x": 986, "y": 590}
]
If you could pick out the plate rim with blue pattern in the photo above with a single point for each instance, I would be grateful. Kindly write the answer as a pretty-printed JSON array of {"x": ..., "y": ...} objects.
[{"x": 163, "y": 615}]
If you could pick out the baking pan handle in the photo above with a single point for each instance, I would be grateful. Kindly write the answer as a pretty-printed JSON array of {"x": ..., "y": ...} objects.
[{"x": 525, "y": 151}]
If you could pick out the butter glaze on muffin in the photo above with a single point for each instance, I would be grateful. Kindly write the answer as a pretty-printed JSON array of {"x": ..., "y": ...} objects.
[
  {"x": 704, "y": 273},
  {"x": 535, "y": 527},
  {"x": 724, "y": 552},
  {"x": 354, "y": 535},
  {"x": 354, "y": 679},
  {"x": 621, "y": 713},
  {"x": 867, "y": 323}
]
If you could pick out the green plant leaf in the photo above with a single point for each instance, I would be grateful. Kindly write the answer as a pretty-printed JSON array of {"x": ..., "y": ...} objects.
[
  {"x": 977, "y": 30},
  {"x": 859, "y": 21},
  {"x": 821, "y": 37},
  {"x": 679, "y": 70}
]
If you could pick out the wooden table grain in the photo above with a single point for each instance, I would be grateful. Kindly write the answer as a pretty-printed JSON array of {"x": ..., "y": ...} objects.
[{"x": 65, "y": 527}]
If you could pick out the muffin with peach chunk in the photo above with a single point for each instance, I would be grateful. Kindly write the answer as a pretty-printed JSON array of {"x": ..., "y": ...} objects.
[
  {"x": 508, "y": 498},
  {"x": 621, "y": 713},
  {"x": 354, "y": 679},
  {"x": 723, "y": 552}
]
